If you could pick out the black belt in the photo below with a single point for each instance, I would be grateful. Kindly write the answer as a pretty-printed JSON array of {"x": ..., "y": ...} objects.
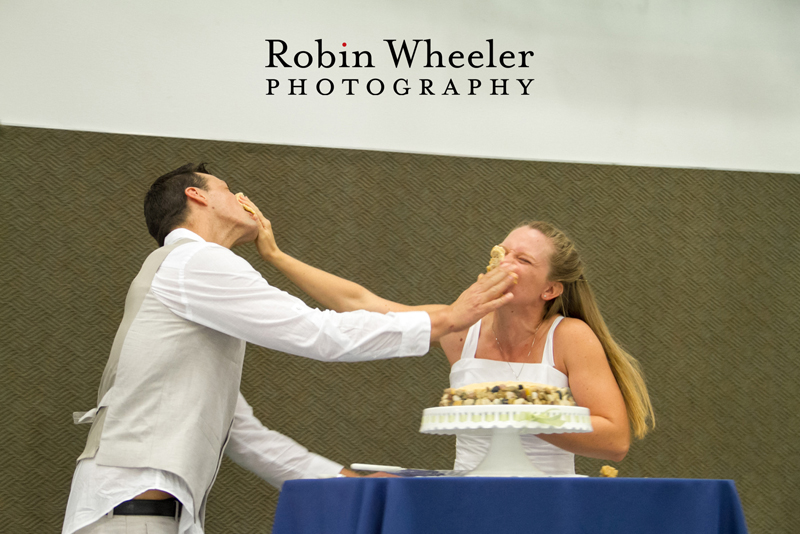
[{"x": 165, "y": 507}]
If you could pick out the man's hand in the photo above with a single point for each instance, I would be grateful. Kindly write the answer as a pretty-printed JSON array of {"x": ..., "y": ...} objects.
[
  {"x": 486, "y": 295},
  {"x": 352, "y": 474},
  {"x": 265, "y": 242}
]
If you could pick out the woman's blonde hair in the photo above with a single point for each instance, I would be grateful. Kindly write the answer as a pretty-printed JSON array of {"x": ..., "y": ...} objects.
[{"x": 577, "y": 300}]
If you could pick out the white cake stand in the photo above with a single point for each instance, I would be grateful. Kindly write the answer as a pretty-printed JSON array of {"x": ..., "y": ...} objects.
[{"x": 505, "y": 423}]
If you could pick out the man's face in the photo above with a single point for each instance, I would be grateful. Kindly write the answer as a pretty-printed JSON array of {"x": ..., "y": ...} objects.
[{"x": 226, "y": 210}]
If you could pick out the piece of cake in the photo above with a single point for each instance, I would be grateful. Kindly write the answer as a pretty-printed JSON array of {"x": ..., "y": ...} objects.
[
  {"x": 507, "y": 393},
  {"x": 245, "y": 206},
  {"x": 497, "y": 255},
  {"x": 608, "y": 471}
]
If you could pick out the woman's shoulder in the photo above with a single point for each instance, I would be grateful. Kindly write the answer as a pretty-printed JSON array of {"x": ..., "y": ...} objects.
[
  {"x": 572, "y": 333},
  {"x": 571, "y": 325},
  {"x": 453, "y": 344}
]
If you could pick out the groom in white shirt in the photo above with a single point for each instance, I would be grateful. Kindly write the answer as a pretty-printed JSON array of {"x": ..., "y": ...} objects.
[{"x": 169, "y": 402}]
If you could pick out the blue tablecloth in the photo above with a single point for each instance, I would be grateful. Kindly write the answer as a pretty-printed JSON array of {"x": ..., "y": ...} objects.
[{"x": 482, "y": 505}]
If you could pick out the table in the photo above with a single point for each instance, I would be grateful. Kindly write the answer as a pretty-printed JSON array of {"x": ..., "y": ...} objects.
[{"x": 483, "y": 505}]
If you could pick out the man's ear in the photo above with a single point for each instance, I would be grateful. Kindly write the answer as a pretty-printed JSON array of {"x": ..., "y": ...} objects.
[
  {"x": 197, "y": 194},
  {"x": 553, "y": 290}
]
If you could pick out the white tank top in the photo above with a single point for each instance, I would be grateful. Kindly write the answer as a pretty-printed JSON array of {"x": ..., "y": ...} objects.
[{"x": 470, "y": 450}]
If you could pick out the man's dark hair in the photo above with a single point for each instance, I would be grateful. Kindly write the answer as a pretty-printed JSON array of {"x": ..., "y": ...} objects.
[{"x": 165, "y": 204}]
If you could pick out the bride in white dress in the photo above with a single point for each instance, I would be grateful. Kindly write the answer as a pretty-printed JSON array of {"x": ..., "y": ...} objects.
[{"x": 550, "y": 332}]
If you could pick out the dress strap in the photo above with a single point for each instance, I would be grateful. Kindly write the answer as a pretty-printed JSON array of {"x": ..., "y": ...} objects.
[
  {"x": 471, "y": 343},
  {"x": 547, "y": 354}
]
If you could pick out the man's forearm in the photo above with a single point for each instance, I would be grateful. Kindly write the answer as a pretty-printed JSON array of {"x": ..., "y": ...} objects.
[{"x": 271, "y": 455}]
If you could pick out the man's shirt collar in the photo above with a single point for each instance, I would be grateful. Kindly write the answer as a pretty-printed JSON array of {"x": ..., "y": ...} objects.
[{"x": 181, "y": 233}]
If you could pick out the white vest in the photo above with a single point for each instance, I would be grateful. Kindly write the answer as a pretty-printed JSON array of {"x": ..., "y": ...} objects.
[{"x": 168, "y": 392}]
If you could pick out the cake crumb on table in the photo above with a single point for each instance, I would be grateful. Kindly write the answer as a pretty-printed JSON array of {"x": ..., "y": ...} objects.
[{"x": 608, "y": 471}]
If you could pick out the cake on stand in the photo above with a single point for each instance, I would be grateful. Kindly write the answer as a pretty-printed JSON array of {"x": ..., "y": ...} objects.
[{"x": 505, "y": 423}]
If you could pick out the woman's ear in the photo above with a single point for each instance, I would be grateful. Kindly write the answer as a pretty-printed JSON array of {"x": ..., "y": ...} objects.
[{"x": 553, "y": 290}]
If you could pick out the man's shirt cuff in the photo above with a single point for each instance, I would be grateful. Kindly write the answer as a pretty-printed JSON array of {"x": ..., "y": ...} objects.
[{"x": 416, "y": 326}]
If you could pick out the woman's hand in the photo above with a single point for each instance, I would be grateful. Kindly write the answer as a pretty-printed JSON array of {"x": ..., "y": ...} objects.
[{"x": 265, "y": 242}]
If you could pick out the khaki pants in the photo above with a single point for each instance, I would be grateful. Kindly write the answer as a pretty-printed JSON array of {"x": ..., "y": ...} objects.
[{"x": 132, "y": 524}]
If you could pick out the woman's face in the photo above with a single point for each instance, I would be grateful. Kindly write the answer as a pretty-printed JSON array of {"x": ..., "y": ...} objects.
[{"x": 527, "y": 254}]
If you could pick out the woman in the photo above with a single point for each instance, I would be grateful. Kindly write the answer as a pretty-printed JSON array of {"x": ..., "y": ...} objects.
[{"x": 551, "y": 332}]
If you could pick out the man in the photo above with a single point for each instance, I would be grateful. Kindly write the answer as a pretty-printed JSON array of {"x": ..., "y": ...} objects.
[{"x": 169, "y": 401}]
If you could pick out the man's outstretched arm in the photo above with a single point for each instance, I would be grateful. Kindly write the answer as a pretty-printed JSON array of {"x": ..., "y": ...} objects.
[{"x": 271, "y": 455}]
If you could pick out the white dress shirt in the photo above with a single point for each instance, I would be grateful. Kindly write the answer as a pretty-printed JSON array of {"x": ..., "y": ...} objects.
[{"x": 210, "y": 285}]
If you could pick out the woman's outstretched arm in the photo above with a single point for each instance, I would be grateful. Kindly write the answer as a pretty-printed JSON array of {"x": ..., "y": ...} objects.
[
  {"x": 330, "y": 290},
  {"x": 342, "y": 295}
]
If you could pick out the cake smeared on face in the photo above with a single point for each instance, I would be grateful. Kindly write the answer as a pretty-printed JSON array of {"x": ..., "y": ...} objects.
[
  {"x": 507, "y": 393},
  {"x": 497, "y": 255},
  {"x": 239, "y": 196}
]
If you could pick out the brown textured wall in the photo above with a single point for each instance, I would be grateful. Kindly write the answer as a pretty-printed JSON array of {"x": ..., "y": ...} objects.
[{"x": 696, "y": 272}]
